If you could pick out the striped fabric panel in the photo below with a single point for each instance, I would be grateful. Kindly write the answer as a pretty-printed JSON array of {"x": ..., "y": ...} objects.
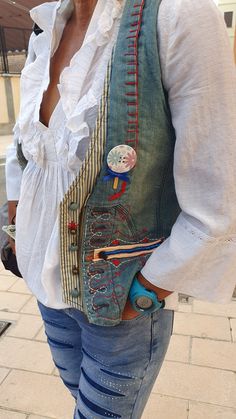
[
  {"x": 78, "y": 193},
  {"x": 128, "y": 250}
]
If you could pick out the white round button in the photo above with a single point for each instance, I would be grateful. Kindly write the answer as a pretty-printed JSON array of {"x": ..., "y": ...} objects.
[{"x": 122, "y": 158}]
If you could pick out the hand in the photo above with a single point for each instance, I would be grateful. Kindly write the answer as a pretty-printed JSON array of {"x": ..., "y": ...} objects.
[
  {"x": 162, "y": 293},
  {"x": 129, "y": 313},
  {"x": 12, "y": 205},
  {"x": 12, "y": 245}
]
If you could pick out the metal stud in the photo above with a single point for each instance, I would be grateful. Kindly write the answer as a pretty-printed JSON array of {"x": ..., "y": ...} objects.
[
  {"x": 73, "y": 247},
  {"x": 73, "y": 206},
  {"x": 75, "y": 270},
  {"x": 74, "y": 293}
]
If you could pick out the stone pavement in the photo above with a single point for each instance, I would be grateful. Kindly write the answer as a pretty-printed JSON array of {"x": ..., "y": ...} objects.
[{"x": 197, "y": 379}]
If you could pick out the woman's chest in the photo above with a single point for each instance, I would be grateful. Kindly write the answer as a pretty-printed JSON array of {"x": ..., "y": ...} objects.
[{"x": 70, "y": 43}]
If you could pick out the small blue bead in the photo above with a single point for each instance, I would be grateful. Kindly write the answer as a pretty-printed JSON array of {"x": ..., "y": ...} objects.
[
  {"x": 73, "y": 247},
  {"x": 73, "y": 206},
  {"x": 74, "y": 293}
]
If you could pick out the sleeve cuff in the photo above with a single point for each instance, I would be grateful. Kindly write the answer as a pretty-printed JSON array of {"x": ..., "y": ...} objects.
[{"x": 193, "y": 263}]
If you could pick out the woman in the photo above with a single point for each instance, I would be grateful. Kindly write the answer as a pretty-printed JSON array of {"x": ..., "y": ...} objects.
[{"x": 97, "y": 66}]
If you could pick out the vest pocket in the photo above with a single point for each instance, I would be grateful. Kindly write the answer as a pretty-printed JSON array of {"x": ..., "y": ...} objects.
[
  {"x": 112, "y": 252},
  {"x": 111, "y": 234}
]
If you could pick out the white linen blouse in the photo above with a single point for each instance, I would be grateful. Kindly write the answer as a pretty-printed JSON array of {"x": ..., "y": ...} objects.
[{"x": 199, "y": 257}]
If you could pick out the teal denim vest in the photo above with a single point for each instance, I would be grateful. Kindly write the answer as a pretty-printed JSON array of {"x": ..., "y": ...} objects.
[{"x": 119, "y": 228}]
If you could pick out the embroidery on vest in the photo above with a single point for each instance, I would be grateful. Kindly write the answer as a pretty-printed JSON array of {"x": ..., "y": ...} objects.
[
  {"x": 122, "y": 160},
  {"x": 114, "y": 238}
]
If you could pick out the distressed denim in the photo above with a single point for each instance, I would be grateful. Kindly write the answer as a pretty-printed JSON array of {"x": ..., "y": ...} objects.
[
  {"x": 110, "y": 371},
  {"x": 143, "y": 209}
]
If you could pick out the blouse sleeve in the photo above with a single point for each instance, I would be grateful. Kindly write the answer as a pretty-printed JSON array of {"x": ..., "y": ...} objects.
[
  {"x": 13, "y": 170},
  {"x": 199, "y": 257}
]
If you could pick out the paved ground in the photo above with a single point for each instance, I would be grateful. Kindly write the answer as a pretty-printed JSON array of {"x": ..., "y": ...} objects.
[{"x": 197, "y": 380}]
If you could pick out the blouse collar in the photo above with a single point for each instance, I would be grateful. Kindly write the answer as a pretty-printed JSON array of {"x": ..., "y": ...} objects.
[{"x": 45, "y": 14}]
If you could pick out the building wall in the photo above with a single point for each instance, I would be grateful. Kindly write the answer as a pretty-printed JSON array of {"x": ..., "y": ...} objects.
[
  {"x": 10, "y": 100},
  {"x": 3, "y": 105}
]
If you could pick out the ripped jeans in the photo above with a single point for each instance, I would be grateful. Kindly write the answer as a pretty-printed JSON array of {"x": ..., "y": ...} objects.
[{"x": 110, "y": 371}]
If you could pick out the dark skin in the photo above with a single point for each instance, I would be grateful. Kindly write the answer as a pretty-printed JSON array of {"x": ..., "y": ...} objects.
[{"x": 71, "y": 41}]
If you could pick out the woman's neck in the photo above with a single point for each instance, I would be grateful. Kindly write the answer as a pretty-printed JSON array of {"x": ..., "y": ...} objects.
[{"x": 83, "y": 9}]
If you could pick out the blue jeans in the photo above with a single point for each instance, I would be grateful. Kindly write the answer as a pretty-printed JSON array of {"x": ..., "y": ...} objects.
[{"x": 110, "y": 371}]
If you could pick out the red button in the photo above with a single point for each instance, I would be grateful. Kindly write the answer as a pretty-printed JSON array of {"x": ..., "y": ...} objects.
[{"x": 72, "y": 226}]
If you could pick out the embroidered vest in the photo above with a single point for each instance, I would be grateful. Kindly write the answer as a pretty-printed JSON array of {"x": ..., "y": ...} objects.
[{"x": 123, "y": 203}]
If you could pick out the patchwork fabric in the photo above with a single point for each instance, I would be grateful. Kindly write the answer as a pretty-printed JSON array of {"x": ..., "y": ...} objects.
[
  {"x": 73, "y": 202},
  {"x": 123, "y": 203}
]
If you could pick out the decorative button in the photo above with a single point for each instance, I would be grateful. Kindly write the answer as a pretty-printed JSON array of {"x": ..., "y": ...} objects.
[
  {"x": 73, "y": 247},
  {"x": 121, "y": 159},
  {"x": 102, "y": 289},
  {"x": 74, "y": 293},
  {"x": 72, "y": 226},
  {"x": 73, "y": 206},
  {"x": 75, "y": 270}
]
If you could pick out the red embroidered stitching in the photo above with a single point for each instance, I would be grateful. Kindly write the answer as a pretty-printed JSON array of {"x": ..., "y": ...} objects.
[
  {"x": 131, "y": 94},
  {"x": 137, "y": 23},
  {"x": 133, "y": 130},
  {"x": 131, "y": 53},
  {"x": 118, "y": 194},
  {"x": 130, "y": 141},
  {"x": 131, "y": 103},
  {"x": 134, "y": 34}
]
